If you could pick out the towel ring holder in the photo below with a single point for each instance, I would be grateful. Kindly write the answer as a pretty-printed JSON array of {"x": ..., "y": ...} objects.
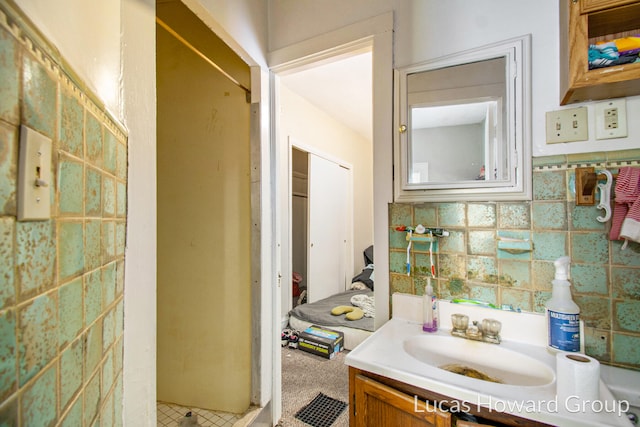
[{"x": 605, "y": 196}]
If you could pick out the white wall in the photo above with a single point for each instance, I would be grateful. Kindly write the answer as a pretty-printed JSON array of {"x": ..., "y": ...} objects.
[
  {"x": 241, "y": 24},
  {"x": 454, "y": 153},
  {"x": 428, "y": 29},
  {"x": 139, "y": 114},
  {"x": 88, "y": 36}
]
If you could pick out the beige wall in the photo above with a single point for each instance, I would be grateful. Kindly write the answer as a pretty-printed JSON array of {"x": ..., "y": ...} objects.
[{"x": 204, "y": 348}]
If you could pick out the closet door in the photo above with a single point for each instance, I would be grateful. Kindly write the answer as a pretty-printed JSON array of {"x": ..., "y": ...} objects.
[{"x": 327, "y": 227}]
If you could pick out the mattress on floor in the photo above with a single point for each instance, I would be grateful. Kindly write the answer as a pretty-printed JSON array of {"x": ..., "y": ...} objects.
[{"x": 319, "y": 313}]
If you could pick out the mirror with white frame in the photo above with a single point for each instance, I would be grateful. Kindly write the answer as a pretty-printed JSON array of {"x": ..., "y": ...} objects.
[{"x": 464, "y": 127}]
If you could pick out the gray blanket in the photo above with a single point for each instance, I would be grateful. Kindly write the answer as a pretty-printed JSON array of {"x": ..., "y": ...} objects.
[{"x": 319, "y": 312}]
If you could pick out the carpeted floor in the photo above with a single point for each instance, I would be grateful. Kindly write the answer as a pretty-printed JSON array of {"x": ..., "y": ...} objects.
[{"x": 304, "y": 376}]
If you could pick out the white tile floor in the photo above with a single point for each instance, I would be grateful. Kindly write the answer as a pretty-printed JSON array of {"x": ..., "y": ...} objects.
[{"x": 169, "y": 415}]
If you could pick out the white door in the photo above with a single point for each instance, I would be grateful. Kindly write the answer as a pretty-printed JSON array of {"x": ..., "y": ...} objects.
[{"x": 327, "y": 228}]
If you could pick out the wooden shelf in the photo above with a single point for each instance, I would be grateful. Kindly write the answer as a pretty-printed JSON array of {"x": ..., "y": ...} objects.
[
  {"x": 587, "y": 6},
  {"x": 583, "y": 22}
]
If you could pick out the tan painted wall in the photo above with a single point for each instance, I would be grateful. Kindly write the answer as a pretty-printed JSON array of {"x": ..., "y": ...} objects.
[{"x": 204, "y": 349}]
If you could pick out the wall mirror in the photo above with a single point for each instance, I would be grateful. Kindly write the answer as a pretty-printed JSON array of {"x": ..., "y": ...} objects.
[{"x": 463, "y": 126}]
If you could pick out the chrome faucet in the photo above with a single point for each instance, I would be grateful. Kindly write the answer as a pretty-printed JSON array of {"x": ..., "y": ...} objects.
[{"x": 488, "y": 330}]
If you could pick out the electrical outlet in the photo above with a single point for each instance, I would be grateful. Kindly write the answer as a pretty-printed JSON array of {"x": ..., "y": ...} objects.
[
  {"x": 611, "y": 119},
  {"x": 567, "y": 125}
]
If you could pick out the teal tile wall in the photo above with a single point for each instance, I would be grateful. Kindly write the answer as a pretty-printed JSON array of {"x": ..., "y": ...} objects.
[
  {"x": 469, "y": 264},
  {"x": 62, "y": 279}
]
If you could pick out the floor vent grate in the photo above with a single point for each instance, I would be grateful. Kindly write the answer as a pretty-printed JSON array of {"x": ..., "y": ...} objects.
[{"x": 322, "y": 411}]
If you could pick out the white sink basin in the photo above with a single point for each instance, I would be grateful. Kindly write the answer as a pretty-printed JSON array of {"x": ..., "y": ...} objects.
[
  {"x": 402, "y": 351},
  {"x": 479, "y": 360}
]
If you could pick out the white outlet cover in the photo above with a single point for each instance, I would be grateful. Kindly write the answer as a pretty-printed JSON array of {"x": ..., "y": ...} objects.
[
  {"x": 601, "y": 130},
  {"x": 34, "y": 176}
]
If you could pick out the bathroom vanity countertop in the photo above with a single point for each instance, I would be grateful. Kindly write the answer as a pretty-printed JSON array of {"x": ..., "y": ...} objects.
[{"x": 383, "y": 353}]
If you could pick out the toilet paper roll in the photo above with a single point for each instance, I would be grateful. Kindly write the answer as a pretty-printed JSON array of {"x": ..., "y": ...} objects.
[{"x": 577, "y": 378}]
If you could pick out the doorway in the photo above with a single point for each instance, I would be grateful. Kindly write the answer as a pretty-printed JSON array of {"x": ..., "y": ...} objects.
[
  {"x": 375, "y": 34},
  {"x": 310, "y": 126},
  {"x": 327, "y": 176},
  {"x": 321, "y": 225},
  {"x": 204, "y": 217}
]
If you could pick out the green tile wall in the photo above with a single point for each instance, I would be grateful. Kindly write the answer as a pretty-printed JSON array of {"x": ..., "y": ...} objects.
[
  {"x": 61, "y": 280},
  {"x": 606, "y": 279}
]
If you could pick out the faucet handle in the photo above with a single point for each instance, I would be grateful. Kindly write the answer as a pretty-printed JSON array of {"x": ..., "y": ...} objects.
[
  {"x": 491, "y": 327},
  {"x": 460, "y": 322}
]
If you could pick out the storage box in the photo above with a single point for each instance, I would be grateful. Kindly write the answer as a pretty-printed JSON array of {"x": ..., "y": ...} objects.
[{"x": 321, "y": 341}]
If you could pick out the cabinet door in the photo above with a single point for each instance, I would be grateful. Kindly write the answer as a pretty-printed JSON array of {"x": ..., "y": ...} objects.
[{"x": 382, "y": 406}]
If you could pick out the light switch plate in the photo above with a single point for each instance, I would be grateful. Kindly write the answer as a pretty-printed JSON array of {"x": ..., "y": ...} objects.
[
  {"x": 34, "y": 176},
  {"x": 567, "y": 125},
  {"x": 611, "y": 119}
]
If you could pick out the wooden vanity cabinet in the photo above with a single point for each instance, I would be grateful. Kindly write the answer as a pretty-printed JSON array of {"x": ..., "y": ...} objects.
[
  {"x": 378, "y": 401},
  {"x": 379, "y": 405},
  {"x": 583, "y": 22}
]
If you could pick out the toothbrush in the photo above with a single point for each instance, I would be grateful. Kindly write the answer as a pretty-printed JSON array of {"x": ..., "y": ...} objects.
[
  {"x": 409, "y": 254},
  {"x": 433, "y": 267},
  {"x": 472, "y": 302}
]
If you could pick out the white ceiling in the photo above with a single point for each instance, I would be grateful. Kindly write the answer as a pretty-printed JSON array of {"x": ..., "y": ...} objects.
[
  {"x": 450, "y": 115},
  {"x": 343, "y": 89}
]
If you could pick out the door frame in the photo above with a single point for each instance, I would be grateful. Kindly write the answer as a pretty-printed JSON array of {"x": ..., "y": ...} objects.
[
  {"x": 293, "y": 143},
  {"x": 377, "y": 34}
]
